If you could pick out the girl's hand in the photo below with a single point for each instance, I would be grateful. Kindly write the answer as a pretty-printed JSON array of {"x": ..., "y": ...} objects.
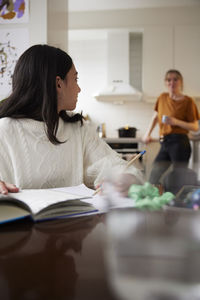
[
  {"x": 6, "y": 188},
  {"x": 124, "y": 181}
]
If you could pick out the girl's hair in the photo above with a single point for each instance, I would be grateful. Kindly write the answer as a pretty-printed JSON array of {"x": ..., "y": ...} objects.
[
  {"x": 34, "y": 92},
  {"x": 177, "y": 73}
]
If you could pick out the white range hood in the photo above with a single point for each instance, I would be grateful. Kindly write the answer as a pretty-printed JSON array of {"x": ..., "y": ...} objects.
[{"x": 118, "y": 88}]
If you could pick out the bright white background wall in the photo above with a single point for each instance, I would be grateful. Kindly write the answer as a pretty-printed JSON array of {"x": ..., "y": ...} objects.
[
  {"x": 38, "y": 22},
  {"x": 48, "y": 23}
]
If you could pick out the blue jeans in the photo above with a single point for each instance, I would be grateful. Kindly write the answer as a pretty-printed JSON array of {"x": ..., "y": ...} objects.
[{"x": 175, "y": 150}]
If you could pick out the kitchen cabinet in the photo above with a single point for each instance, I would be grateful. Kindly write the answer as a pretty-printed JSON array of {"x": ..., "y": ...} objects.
[
  {"x": 187, "y": 56},
  {"x": 157, "y": 58},
  {"x": 166, "y": 47}
]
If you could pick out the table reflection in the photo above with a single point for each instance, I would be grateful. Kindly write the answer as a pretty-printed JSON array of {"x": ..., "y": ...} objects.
[{"x": 38, "y": 261}]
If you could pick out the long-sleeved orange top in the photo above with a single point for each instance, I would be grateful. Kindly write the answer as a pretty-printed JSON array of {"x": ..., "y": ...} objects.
[{"x": 184, "y": 109}]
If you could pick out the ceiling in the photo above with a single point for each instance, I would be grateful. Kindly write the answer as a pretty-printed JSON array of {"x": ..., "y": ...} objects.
[{"x": 91, "y": 5}]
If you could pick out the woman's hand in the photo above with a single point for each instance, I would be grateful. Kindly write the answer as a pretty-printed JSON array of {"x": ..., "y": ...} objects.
[
  {"x": 147, "y": 139},
  {"x": 172, "y": 121},
  {"x": 6, "y": 188}
]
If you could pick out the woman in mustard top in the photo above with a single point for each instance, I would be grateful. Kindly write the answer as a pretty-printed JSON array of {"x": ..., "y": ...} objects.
[{"x": 176, "y": 114}]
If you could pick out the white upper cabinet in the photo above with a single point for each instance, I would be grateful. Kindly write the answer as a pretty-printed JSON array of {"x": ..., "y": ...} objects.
[
  {"x": 187, "y": 57},
  {"x": 171, "y": 47},
  {"x": 157, "y": 59}
]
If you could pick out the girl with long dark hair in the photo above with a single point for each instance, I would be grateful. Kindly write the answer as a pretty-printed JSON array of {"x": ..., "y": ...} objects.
[{"x": 42, "y": 144}]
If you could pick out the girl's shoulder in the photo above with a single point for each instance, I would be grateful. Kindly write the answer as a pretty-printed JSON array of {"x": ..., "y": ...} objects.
[
  {"x": 7, "y": 128},
  {"x": 6, "y": 123},
  {"x": 84, "y": 129},
  {"x": 88, "y": 128}
]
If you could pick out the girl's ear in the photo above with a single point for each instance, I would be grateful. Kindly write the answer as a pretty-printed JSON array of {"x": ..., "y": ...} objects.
[{"x": 58, "y": 82}]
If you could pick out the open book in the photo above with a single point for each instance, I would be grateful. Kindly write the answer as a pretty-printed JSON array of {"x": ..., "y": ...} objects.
[{"x": 46, "y": 204}]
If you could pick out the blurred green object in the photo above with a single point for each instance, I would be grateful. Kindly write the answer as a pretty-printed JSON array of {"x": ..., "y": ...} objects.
[{"x": 147, "y": 196}]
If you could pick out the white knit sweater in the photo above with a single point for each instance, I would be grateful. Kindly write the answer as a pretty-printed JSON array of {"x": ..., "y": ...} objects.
[{"x": 29, "y": 160}]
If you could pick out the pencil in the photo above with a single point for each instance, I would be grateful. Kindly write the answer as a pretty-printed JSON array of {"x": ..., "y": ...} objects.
[
  {"x": 129, "y": 163},
  {"x": 96, "y": 191},
  {"x": 134, "y": 158}
]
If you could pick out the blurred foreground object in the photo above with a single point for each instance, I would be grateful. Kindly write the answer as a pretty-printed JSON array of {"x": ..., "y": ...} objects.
[
  {"x": 153, "y": 255},
  {"x": 179, "y": 177},
  {"x": 188, "y": 197},
  {"x": 147, "y": 196}
]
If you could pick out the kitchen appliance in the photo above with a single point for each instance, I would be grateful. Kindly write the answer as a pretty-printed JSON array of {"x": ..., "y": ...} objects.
[
  {"x": 118, "y": 88},
  {"x": 126, "y": 146},
  {"x": 127, "y": 131}
]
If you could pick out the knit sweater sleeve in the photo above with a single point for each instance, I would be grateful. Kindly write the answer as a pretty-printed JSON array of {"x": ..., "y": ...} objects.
[
  {"x": 100, "y": 160},
  {"x": 6, "y": 167}
]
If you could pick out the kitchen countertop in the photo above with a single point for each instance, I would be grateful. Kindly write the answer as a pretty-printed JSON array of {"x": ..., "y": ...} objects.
[
  {"x": 123, "y": 140},
  {"x": 125, "y": 145},
  {"x": 139, "y": 139},
  {"x": 194, "y": 137}
]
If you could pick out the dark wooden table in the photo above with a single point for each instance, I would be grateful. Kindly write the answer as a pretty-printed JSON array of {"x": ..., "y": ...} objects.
[
  {"x": 54, "y": 260},
  {"x": 64, "y": 259}
]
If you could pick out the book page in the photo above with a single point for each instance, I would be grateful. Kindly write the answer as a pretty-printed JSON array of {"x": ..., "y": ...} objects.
[
  {"x": 80, "y": 190},
  {"x": 38, "y": 199},
  {"x": 10, "y": 212},
  {"x": 101, "y": 202}
]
